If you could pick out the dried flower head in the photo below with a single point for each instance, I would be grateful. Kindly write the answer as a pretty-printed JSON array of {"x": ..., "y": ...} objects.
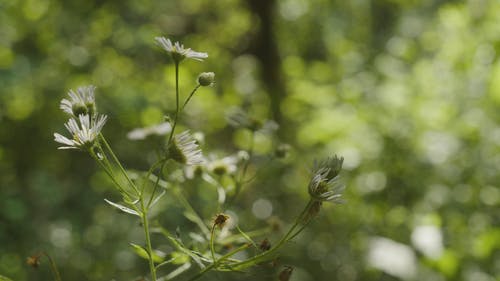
[
  {"x": 185, "y": 150},
  {"x": 265, "y": 245},
  {"x": 178, "y": 52},
  {"x": 325, "y": 184},
  {"x": 80, "y": 102},
  {"x": 84, "y": 134},
  {"x": 220, "y": 220},
  {"x": 34, "y": 260},
  {"x": 285, "y": 273}
]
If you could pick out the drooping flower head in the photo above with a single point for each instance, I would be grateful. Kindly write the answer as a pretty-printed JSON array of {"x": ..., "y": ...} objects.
[
  {"x": 80, "y": 102},
  {"x": 325, "y": 184},
  {"x": 84, "y": 132},
  {"x": 178, "y": 52},
  {"x": 185, "y": 150}
]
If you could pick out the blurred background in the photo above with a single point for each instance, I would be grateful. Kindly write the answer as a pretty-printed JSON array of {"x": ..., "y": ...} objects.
[{"x": 408, "y": 92}]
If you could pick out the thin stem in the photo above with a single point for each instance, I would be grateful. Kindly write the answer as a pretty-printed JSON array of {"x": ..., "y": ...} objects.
[
  {"x": 196, "y": 218},
  {"x": 53, "y": 267},
  {"x": 150, "y": 171},
  {"x": 264, "y": 256},
  {"x": 145, "y": 224},
  {"x": 156, "y": 183},
  {"x": 176, "y": 101},
  {"x": 240, "y": 181},
  {"x": 190, "y": 96},
  {"x": 212, "y": 249},
  {"x": 110, "y": 174},
  {"x": 224, "y": 257},
  {"x": 108, "y": 147}
]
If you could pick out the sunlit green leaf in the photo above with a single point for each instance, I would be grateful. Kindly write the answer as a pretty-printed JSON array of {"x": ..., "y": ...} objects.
[
  {"x": 143, "y": 253},
  {"x": 122, "y": 208}
]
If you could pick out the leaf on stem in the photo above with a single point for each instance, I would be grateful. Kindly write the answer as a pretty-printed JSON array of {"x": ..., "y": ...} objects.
[
  {"x": 157, "y": 199},
  {"x": 143, "y": 253},
  {"x": 122, "y": 208},
  {"x": 176, "y": 272}
]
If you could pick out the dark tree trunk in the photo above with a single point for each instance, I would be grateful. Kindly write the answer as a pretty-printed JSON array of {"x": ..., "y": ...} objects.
[{"x": 265, "y": 48}]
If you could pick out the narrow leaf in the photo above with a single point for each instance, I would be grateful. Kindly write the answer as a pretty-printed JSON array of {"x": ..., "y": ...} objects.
[
  {"x": 122, "y": 208},
  {"x": 246, "y": 236},
  {"x": 163, "y": 263},
  {"x": 178, "y": 271},
  {"x": 3, "y": 278},
  {"x": 161, "y": 182},
  {"x": 157, "y": 198},
  {"x": 143, "y": 253}
]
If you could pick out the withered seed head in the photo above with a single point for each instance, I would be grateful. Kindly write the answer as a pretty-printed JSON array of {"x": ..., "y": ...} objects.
[{"x": 220, "y": 220}]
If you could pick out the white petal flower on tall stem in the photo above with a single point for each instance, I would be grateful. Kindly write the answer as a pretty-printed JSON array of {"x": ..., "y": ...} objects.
[
  {"x": 185, "y": 150},
  {"x": 178, "y": 52},
  {"x": 325, "y": 184},
  {"x": 80, "y": 102},
  {"x": 84, "y": 132}
]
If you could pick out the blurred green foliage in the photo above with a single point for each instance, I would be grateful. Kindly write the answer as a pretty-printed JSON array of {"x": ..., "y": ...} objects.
[{"x": 407, "y": 91}]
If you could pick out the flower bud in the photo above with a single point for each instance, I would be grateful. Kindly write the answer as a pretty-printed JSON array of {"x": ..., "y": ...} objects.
[{"x": 206, "y": 78}]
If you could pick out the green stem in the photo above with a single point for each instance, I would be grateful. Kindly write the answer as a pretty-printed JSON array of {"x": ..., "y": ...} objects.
[
  {"x": 197, "y": 219},
  {"x": 108, "y": 147},
  {"x": 110, "y": 174},
  {"x": 212, "y": 248},
  {"x": 240, "y": 181},
  {"x": 145, "y": 224},
  {"x": 265, "y": 255},
  {"x": 53, "y": 268},
  {"x": 190, "y": 96},
  {"x": 176, "y": 101},
  {"x": 156, "y": 182},
  {"x": 221, "y": 259}
]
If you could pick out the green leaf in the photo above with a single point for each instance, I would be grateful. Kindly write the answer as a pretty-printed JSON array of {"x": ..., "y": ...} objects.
[
  {"x": 122, "y": 208},
  {"x": 143, "y": 253},
  {"x": 3, "y": 278},
  {"x": 178, "y": 271},
  {"x": 179, "y": 257}
]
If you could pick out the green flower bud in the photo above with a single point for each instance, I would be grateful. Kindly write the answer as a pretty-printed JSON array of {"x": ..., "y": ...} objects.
[{"x": 206, "y": 78}]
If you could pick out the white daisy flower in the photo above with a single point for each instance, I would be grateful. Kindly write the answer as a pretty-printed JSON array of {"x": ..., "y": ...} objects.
[
  {"x": 178, "y": 52},
  {"x": 325, "y": 184},
  {"x": 142, "y": 133},
  {"x": 226, "y": 165},
  {"x": 81, "y": 102},
  {"x": 84, "y": 135},
  {"x": 185, "y": 150}
]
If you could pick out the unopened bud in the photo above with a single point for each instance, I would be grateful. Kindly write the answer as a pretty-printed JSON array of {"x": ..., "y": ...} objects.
[{"x": 206, "y": 78}]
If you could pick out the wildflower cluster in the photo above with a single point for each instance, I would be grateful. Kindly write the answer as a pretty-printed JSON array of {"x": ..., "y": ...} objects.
[
  {"x": 85, "y": 124},
  {"x": 228, "y": 174}
]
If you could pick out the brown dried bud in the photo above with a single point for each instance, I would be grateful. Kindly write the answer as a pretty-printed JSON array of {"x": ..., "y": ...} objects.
[
  {"x": 285, "y": 273},
  {"x": 220, "y": 220},
  {"x": 34, "y": 260},
  {"x": 265, "y": 245}
]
